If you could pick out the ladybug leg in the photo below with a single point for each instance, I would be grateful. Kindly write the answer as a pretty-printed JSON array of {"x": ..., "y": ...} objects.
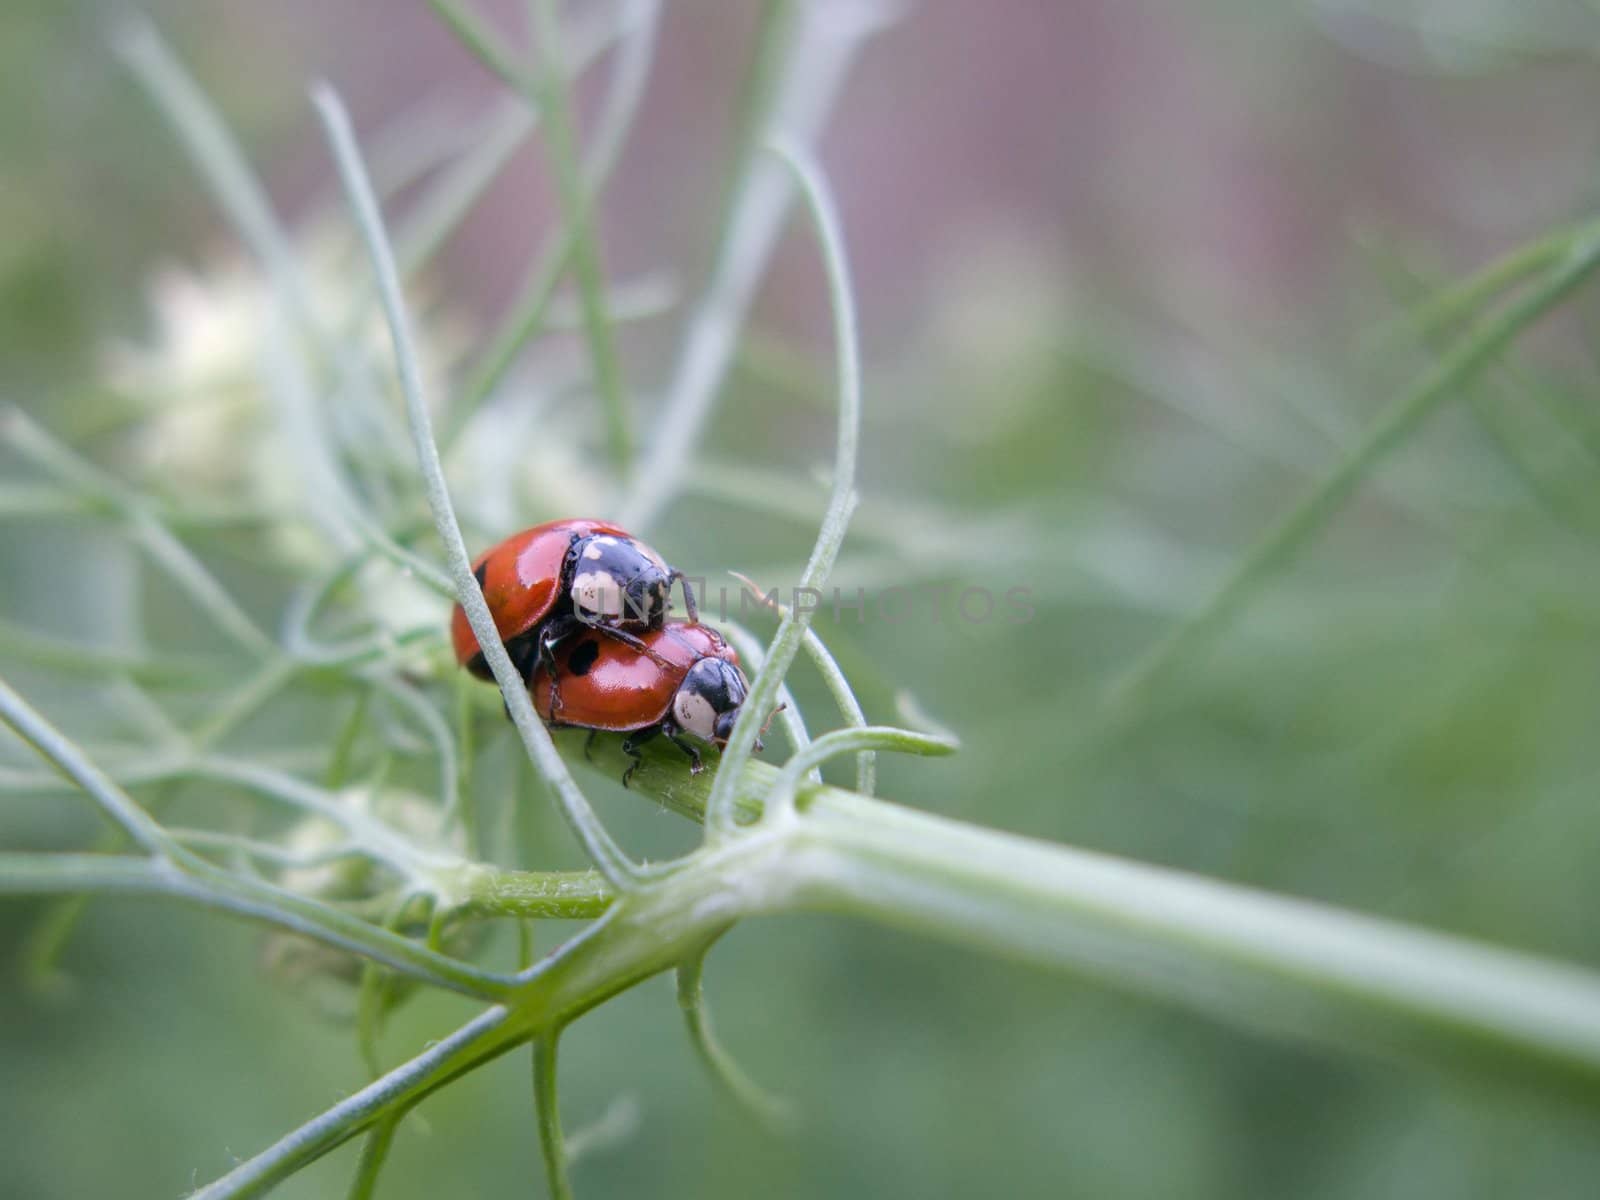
[
  {"x": 547, "y": 659},
  {"x": 588, "y": 745},
  {"x": 524, "y": 652},
  {"x": 688, "y": 596},
  {"x": 696, "y": 765},
  {"x": 553, "y": 634},
  {"x": 630, "y": 747},
  {"x": 634, "y": 644}
]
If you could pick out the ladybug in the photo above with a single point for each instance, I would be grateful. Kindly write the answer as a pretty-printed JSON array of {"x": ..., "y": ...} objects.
[
  {"x": 685, "y": 680},
  {"x": 545, "y": 583}
]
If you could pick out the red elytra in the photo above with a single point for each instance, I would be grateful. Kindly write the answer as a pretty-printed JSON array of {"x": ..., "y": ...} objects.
[
  {"x": 521, "y": 580},
  {"x": 609, "y": 686}
]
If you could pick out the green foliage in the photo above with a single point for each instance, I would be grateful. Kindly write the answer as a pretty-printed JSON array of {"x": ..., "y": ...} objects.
[{"x": 389, "y": 852}]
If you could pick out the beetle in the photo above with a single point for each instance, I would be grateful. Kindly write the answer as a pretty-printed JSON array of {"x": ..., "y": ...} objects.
[
  {"x": 545, "y": 583},
  {"x": 685, "y": 681}
]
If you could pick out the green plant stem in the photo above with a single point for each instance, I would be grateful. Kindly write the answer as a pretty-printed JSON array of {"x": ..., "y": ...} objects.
[
  {"x": 484, "y": 1038},
  {"x": 212, "y": 887},
  {"x": 775, "y": 29},
  {"x": 158, "y": 542},
  {"x": 1451, "y": 305},
  {"x": 824, "y": 45},
  {"x": 844, "y": 695},
  {"x": 405, "y": 696},
  {"x": 552, "y": 1142},
  {"x": 772, "y": 1111},
  {"x": 1251, "y": 959},
  {"x": 242, "y": 197},
  {"x": 220, "y": 161},
  {"x": 374, "y": 1153},
  {"x": 484, "y": 43},
  {"x": 571, "y": 895},
  {"x": 439, "y": 213},
  {"x": 575, "y": 807},
  {"x": 752, "y": 654},
  {"x": 786, "y": 642},
  {"x": 74, "y": 658},
  {"x": 1266, "y": 962},
  {"x": 442, "y": 210},
  {"x": 846, "y": 741},
  {"x": 577, "y": 205},
  {"x": 1285, "y": 539},
  {"x": 1247, "y": 957},
  {"x": 530, "y": 312},
  {"x": 50, "y": 744}
]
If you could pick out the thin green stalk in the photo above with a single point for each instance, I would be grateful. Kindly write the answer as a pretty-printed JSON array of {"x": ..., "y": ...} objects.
[
  {"x": 376, "y": 838},
  {"x": 307, "y": 602},
  {"x": 467, "y": 811},
  {"x": 847, "y": 741},
  {"x": 531, "y": 311},
  {"x": 1285, "y": 539},
  {"x": 369, "y": 1003},
  {"x": 442, "y": 210},
  {"x": 211, "y": 887},
  {"x": 374, "y": 1153},
  {"x": 841, "y": 502},
  {"x": 240, "y": 194},
  {"x": 438, "y": 732},
  {"x": 191, "y": 576},
  {"x": 481, "y": 1039},
  {"x": 613, "y": 1127},
  {"x": 271, "y": 852},
  {"x": 47, "y": 941},
  {"x": 484, "y": 43},
  {"x": 552, "y": 1143},
  {"x": 1449, "y": 306},
  {"x": 32, "y": 874},
  {"x": 34, "y": 500},
  {"x": 775, "y": 29},
  {"x": 577, "y": 204},
  {"x": 581, "y": 818},
  {"x": 75, "y": 658},
  {"x": 159, "y": 544},
  {"x": 838, "y": 686},
  {"x": 752, "y": 654},
  {"x": 569, "y": 895},
  {"x": 772, "y": 1111},
  {"x": 220, "y": 161},
  {"x": 826, "y": 41},
  {"x": 51, "y": 745},
  {"x": 236, "y": 707}
]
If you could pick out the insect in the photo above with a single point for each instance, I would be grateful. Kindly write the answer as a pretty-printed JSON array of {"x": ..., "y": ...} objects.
[
  {"x": 686, "y": 681},
  {"x": 545, "y": 583}
]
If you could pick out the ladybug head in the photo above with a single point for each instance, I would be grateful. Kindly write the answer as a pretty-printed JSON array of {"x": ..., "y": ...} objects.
[
  {"x": 618, "y": 580},
  {"x": 708, "y": 700}
]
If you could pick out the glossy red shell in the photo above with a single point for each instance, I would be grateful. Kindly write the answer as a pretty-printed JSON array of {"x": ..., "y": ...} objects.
[
  {"x": 622, "y": 688},
  {"x": 520, "y": 578}
]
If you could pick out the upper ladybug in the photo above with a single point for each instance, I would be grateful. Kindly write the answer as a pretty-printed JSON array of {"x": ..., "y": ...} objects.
[{"x": 545, "y": 582}]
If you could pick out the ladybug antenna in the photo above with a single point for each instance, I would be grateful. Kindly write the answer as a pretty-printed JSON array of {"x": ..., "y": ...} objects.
[
  {"x": 767, "y": 600},
  {"x": 767, "y": 724}
]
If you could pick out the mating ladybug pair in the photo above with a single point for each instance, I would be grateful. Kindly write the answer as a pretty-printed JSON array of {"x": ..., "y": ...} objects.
[{"x": 582, "y": 609}]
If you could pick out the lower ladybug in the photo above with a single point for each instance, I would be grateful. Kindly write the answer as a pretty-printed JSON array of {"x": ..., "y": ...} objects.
[
  {"x": 545, "y": 583},
  {"x": 685, "y": 680}
]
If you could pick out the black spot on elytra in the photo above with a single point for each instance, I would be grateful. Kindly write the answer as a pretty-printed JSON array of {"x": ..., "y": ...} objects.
[
  {"x": 583, "y": 656},
  {"x": 479, "y": 572}
]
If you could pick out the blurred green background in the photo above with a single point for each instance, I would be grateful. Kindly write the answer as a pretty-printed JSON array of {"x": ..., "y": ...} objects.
[{"x": 1116, "y": 266}]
